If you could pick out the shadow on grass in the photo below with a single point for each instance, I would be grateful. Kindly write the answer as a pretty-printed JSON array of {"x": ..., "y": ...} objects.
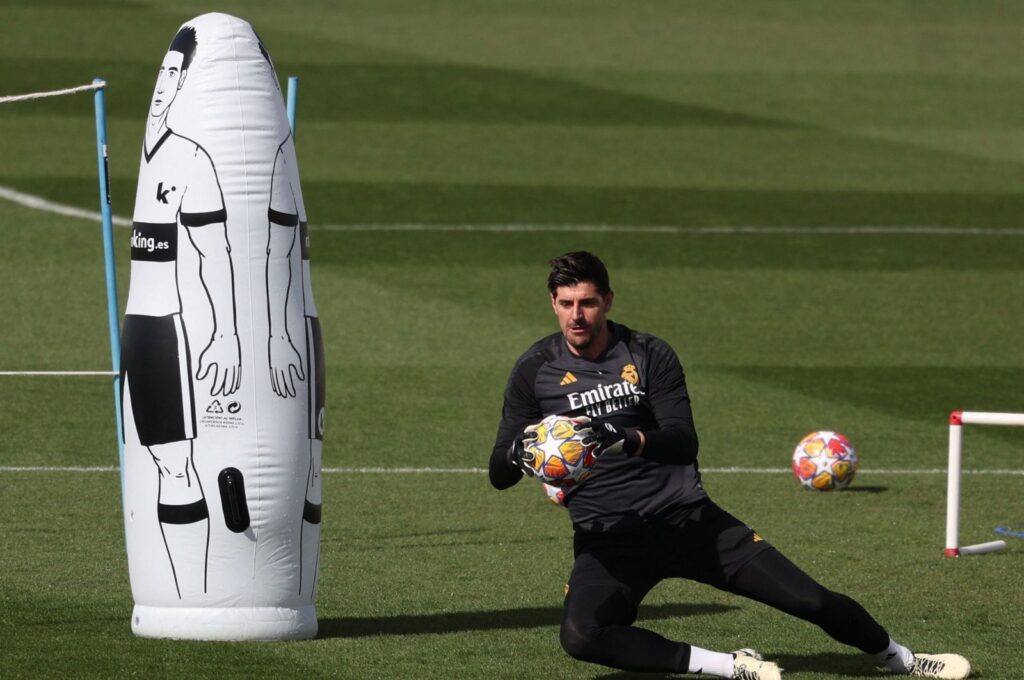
[
  {"x": 397, "y": 542},
  {"x": 923, "y": 393},
  {"x": 457, "y": 622},
  {"x": 837, "y": 664},
  {"x": 834, "y": 663},
  {"x": 866, "y": 489}
]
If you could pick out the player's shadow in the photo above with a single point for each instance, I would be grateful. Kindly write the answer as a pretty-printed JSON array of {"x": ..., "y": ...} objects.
[
  {"x": 834, "y": 663},
  {"x": 838, "y": 664},
  {"x": 457, "y": 622}
]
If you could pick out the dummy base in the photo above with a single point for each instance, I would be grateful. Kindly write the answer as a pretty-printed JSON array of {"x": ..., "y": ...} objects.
[{"x": 224, "y": 623}]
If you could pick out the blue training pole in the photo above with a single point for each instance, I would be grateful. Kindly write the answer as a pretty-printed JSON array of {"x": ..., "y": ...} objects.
[
  {"x": 108, "y": 259},
  {"x": 293, "y": 93}
]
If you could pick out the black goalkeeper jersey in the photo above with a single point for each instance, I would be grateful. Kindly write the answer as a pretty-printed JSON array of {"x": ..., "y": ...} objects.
[{"x": 637, "y": 382}]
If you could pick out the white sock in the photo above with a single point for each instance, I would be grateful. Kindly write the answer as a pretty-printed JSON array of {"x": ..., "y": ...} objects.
[
  {"x": 712, "y": 663},
  {"x": 898, "y": 658}
]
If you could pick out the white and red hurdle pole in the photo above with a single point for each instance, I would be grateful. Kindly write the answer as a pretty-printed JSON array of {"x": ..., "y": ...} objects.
[{"x": 957, "y": 419}]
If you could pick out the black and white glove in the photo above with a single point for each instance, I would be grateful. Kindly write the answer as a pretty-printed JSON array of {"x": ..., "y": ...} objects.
[
  {"x": 518, "y": 456},
  {"x": 610, "y": 438}
]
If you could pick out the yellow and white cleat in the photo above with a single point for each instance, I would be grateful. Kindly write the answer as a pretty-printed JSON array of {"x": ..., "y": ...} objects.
[
  {"x": 945, "y": 666},
  {"x": 749, "y": 665}
]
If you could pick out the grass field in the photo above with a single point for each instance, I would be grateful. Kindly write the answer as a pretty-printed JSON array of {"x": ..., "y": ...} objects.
[{"x": 818, "y": 204}]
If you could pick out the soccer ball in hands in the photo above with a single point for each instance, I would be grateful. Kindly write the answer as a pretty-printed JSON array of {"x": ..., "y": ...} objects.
[
  {"x": 561, "y": 455},
  {"x": 824, "y": 461}
]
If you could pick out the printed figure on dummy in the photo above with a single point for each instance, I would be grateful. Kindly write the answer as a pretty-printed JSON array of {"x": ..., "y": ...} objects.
[
  {"x": 288, "y": 226},
  {"x": 177, "y": 182},
  {"x": 222, "y": 354}
]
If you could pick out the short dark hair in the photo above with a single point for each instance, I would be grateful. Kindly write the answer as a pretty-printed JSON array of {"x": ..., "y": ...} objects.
[
  {"x": 577, "y": 267},
  {"x": 184, "y": 42}
]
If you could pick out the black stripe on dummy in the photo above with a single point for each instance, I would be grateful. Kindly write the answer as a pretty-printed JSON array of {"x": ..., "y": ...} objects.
[
  {"x": 182, "y": 514},
  {"x": 311, "y": 513},
  {"x": 304, "y": 238},
  {"x": 232, "y": 499},
  {"x": 159, "y": 143},
  {"x": 317, "y": 384},
  {"x": 204, "y": 218},
  {"x": 282, "y": 219},
  {"x": 154, "y": 242}
]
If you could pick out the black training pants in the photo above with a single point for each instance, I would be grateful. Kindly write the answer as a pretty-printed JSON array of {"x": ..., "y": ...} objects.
[{"x": 613, "y": 572}]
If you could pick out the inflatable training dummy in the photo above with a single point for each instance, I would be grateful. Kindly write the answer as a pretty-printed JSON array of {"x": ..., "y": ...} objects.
[{"x": 222, "y": 361}]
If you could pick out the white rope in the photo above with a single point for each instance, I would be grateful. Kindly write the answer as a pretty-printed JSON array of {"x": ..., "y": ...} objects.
[
  {"x": 72, "y": 373},
  {"x": 99, "y": 84}
]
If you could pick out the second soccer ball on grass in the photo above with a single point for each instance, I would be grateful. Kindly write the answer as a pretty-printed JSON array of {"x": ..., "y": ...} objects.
[{"x": 824, "y": 461}]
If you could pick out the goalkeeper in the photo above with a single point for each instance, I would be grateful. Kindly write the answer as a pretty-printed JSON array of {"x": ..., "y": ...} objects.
[{"x": 643, "y": 515}]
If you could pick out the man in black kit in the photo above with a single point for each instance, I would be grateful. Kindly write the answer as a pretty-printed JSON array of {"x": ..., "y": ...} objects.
[{"x": 643, "y": 515}]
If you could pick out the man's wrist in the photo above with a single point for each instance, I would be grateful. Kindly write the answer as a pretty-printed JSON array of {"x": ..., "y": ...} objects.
[
  {"x": 512, "y": 460},
  {"x": 632, "y": 442},
  {"x": 635, "y": 442}
]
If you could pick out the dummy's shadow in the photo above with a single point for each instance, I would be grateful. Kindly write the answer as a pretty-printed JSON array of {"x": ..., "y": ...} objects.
[
  {"x": 834, "y": 664},
  {"x": 457, "y": 622}
]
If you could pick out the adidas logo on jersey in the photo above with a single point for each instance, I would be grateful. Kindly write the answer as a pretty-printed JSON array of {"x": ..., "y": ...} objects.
[{"x": 568, "y": 379}]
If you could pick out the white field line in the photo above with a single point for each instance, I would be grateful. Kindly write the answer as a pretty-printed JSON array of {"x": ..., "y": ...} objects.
[
  {"x": 38, "y": 203},
  {"x": 675, "y": 229},
  {"x": 480, "y": 471}
]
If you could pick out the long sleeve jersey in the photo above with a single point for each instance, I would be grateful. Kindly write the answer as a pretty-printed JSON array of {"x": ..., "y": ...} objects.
[{"x": 637, "y": 382}]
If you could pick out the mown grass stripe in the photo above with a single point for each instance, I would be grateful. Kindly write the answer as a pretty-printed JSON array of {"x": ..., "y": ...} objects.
[{"x": 38, "y": 203}]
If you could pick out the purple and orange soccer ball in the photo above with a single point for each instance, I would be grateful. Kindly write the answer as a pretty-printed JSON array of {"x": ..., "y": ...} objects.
[
  {"x": 824, "y": 461},
  {"x": 560, "y": 456}
]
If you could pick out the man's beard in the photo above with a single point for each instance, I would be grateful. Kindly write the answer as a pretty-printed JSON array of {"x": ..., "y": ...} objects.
[{"x": 582, "y": 342}]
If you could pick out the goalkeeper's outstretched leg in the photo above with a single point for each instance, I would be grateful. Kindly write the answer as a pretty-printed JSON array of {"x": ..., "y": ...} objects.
[{"x": 774, "y": 580}]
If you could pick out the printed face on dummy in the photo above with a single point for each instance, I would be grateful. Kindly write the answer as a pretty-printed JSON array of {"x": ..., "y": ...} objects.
[{"x": 168, "y": 82}]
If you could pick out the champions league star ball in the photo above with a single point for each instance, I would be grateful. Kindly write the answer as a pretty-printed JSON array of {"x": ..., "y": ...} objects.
[
  {"x": 555, "y": 494},
  {"x": 559, "y": 456},
  {"x": 824, "y": 461}
]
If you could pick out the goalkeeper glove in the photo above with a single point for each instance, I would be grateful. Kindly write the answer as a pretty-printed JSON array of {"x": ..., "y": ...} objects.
[
  {"x": 518, "y": 456},
  {"x": 610, "y": 438}
]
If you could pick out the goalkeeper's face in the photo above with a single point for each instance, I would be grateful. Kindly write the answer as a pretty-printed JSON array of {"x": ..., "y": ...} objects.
[{"x": 582, "y": 315}]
